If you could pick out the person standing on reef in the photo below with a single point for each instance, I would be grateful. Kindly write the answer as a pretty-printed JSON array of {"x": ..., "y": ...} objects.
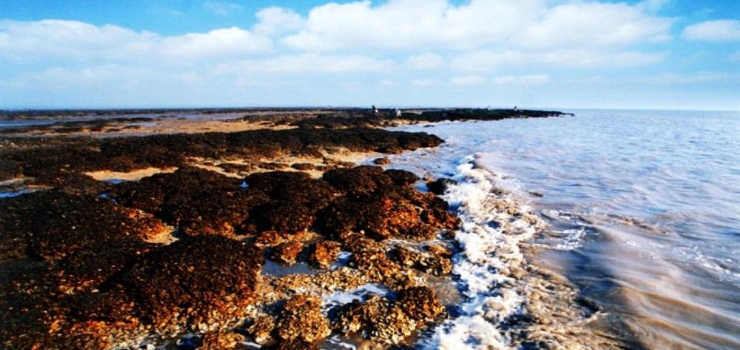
[{"x": 375, "y": 110}]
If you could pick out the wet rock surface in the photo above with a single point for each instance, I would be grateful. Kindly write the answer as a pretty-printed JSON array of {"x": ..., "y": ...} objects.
[
  {"x": 389, "y": 320},
  {"x": 93, "y": 264}
]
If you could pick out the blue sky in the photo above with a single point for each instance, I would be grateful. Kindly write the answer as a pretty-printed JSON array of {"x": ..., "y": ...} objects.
[{"x": 652, "y": 54}]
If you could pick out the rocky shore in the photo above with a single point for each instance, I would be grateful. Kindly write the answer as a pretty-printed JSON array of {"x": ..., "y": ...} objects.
[{"x": 229, "y": 233}]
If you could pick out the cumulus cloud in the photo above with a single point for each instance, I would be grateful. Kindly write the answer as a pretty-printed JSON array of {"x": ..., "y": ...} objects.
[
  {"x": 429, "y": 24},
  {"x": 57, "y": 39},
  {"x": 718, "y": 30},
  {"x": 596, "y": 24},
  {"x": 468, "y": 80},
  {"x": 426, "y": 82},
  {"x": 277, "y": 20},
  {"x": 488, "y": 59},
  {"x": 425, "y": 61},
  {"x": 219, "y": 43},
  {"x": 522, "y": 79},
  {"x": 491, "y": 60},
  {"x": 306, "y": 64},
  {"x": 72, "y": 40},
  {"x": 675, "y": 78}
]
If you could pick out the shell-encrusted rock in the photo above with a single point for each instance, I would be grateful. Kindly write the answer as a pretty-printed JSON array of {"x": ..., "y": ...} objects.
[
  {"x": 288, "y": 252},
  {"x": 325, "y": 253},
  {"x": 422, "y": 261},
  {"x": 386, "y": 321},
  {"x": 219, "y": 341},
  {"x": 301, "y": 319},
  {"x": 420, "y": 303},
  {"x": 261, "y": 329}
]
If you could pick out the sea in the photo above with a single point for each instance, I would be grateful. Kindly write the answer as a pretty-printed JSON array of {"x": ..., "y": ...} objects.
[{"x": 605, "y": 229}]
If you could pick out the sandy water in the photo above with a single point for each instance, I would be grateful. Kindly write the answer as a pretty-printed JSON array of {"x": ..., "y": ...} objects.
[{"x": 638, "y": 239}]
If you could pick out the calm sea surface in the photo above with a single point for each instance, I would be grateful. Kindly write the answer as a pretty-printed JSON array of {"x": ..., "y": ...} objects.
[{"x": 642, "y": 213}]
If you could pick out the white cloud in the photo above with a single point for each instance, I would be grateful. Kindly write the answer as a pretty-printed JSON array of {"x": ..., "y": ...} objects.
[
  {"x": 54, "y": 40},
  {"x": 66, "y": 40},
  {"x": 425, "y": 61},
  {"x": 487, "y": 60},
  {"x": 596, "y": 59},
  {"x": 277, "y": 20},
  {"x": 426, "y": 82},
  {"x": 387, "y": 83},
  {"x": 719, "y": 30},
  {"x": 420, "y": 25},
  {"x": 468, "y": 80},
  {"x": 522, "y": 80},
  {"x": 222, "y": 8},
  {"x": 491, "y": 60},
  {"x": 675, "y": 78},
  {"x": 595, "y": 25},
  {"x": 306, "y": 64},
  {"x": 220, "y": 43}
]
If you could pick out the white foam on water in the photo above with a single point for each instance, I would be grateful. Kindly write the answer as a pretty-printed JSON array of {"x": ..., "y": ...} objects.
[
  {"x": 347, "y": 296},
  {"x": 489, "y": 239}
]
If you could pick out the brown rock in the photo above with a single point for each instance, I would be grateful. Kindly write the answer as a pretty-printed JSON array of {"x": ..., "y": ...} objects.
[
  {"x": 303, "y": 166},
  {"x": 261, "y": 329},
  {"x": 422, "y": 261},
  {"x": 386, "y": 321},
  {"x": 325, "y": 253},
  {"x": 420, "y": 303},
  {"x": 288, "y": 252},
  {"x": 301, "y": 319},
  {"x": 382, "y": 161},
  {"x": 193, "y": 282},
  {"x": 269, "y": 238},
  {"x": 221, "y": 340}
]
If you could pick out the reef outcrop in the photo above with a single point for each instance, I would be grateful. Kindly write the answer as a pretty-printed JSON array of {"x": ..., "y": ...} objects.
[{"x": 185, "y": 250}]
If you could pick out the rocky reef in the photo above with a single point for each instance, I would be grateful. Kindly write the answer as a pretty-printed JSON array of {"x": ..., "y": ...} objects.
[{"x": 185, "y": 252}]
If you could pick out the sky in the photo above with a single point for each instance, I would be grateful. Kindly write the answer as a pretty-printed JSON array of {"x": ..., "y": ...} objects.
[{"x": 648, "y": 54}]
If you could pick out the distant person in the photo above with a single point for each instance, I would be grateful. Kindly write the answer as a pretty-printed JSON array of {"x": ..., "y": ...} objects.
[
  {"x": 375, "y": 110},
  {"x": 398, "y": 112}
]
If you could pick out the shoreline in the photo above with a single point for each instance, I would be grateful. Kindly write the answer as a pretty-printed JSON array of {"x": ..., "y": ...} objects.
[{"x": 91, "y": 276}]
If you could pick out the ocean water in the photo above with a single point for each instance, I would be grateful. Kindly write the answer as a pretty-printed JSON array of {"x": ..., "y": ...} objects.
[{"x": 610, "y": 229}]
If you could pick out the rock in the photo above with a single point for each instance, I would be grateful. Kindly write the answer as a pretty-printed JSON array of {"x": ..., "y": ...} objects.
[
  {"x": 382, "y": 161},
  {"x": 270, "y": 238},
  {"x": 196, "y": 281},
  {"x": 301, "y": 319},
  {"x": 295, "y": 344},
  {"x": 198, "y": 201},
  {"x": 325, "y": 253},
  {"x": 221, "y": 340},
  {"x": 303, "y": 166},
  {"x": 357, "y": 181},
  {"x": 70, "y": 223},
  {"x": 420, "y": 303},
  {"x": 401, "y": 177},
  {"x": 295, "y": 200},
  {"x": 288, "y": 252},
  {"x": 261, "y": 329},
  {"x": 440, "y": 185},
  {"x": 382, "y": 205},
  {"x": 422, "y": 261},
  {"x": 389, "y": 321}
]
